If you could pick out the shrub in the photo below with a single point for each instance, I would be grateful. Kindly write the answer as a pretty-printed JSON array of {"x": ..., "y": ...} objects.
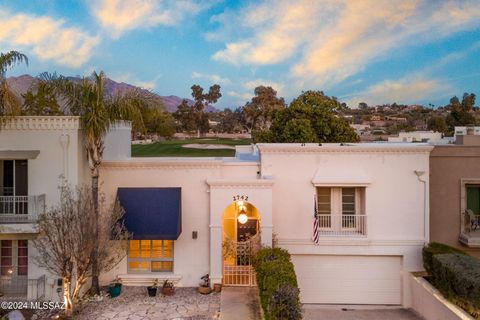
[
  {"x": 285, "y": 303},
  {"x": 277, "y": 284},
  {"x": 457, "y": 277},
  {"x": 434, "y": 248}
]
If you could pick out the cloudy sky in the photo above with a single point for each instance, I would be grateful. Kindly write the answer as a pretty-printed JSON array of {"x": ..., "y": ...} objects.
[{"x": 377, "y": 51}]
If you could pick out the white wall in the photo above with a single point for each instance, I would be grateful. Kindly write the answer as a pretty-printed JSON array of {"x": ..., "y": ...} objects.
[{"x": 394, "y": 198}]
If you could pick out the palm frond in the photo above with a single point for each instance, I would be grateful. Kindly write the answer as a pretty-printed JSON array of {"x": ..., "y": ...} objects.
[{"x": 9, "y": 59}]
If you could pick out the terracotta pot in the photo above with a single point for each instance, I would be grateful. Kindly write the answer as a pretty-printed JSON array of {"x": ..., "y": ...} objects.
[
  {"x": 168, "y": 291},
  {"x": 204, "y": 290},
  {"x": 217, "y": 287}
]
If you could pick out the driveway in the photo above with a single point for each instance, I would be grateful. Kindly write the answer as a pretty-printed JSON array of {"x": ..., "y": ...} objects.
[{"x": 350, "y": 313}]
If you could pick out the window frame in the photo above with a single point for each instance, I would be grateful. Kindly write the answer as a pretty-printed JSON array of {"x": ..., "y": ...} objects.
[{"x": 150, "y": 260}]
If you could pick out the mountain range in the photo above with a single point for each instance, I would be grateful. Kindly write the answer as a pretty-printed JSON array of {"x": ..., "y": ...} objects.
[{"x": 21, "y": 84}]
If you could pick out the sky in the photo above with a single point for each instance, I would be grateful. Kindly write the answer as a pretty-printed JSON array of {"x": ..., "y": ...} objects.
[{"x": 373, "y": 51}]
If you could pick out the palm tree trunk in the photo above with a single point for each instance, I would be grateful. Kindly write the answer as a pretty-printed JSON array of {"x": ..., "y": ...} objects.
[{"x": 95, "y": 273}]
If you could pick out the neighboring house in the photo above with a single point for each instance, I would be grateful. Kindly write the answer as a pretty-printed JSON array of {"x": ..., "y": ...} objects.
[
  {"x": 455, "y": 193},
  {"x": 193, "y": 216},
  {"x": 36, "y": 153},
  {"x": 417, "y": 136}
]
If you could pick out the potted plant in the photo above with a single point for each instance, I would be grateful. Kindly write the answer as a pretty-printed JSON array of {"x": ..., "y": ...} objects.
[
  {"x": 152, "y": 290},
  {"x": 115, "y": 288},
  {"x": 168, "y": 289},
  {"x": 204, "y": 287}
]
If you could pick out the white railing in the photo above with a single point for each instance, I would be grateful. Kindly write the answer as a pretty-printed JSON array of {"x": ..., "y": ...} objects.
[
  {"x": 13, "y": 286},
  {"x": 36, "y": 288},
  {"x": 342, "y": 224},
  {"x": 18, "y": 209}
]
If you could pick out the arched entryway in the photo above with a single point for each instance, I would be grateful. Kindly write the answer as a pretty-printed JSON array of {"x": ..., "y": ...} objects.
[{"x": 241, "y": 238}]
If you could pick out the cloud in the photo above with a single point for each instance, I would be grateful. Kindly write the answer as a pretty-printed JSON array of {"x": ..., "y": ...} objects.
[
  {"x": 130, "y": 79},
  {"x": 47, "y": 38},
  {"x": 215, "y": 78},
  {"x": 325, "y": 42},
  {"x": 403, "y": 91},
  {"x": 251, "y": 85},
  {"x": 118, "y": 16}
]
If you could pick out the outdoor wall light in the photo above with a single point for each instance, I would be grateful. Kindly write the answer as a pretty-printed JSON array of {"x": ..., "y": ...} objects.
[{"x": 242, "y": 217}]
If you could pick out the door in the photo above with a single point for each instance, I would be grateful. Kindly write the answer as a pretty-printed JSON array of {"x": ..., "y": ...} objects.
[
  {"x": 13, "y": 267},
  {"x": 349, "y": 279}
]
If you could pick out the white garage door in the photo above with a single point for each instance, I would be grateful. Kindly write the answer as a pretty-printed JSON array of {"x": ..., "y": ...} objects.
[{"x": 348, "y": 279}]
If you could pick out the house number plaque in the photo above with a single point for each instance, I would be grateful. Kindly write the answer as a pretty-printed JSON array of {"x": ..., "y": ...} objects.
[{"x": 240, "y": 197}]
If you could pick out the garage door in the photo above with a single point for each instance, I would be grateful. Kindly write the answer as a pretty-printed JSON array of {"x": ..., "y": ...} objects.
[{"x": 349, "y": 279}]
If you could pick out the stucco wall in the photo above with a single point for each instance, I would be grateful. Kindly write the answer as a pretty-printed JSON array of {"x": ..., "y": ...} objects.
[
  {"x": 448, "y": 165},
  {"x": 191, "y": 256}
]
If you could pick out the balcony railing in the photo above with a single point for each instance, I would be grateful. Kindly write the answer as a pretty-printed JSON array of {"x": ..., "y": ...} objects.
[
  {"x": 342, "y": 225},
  {"x": 470, "y": 229},
  {"x": 22, "y": 287},
  {"x": 21, "y": 209}
]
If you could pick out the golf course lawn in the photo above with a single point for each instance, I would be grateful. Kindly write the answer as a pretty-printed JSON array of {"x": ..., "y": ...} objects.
[{"x": 174, "y": 148}]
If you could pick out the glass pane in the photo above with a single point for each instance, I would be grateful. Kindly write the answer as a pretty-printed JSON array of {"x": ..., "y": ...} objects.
[
  {"x": 348, "y": 201},
  {"x": 6, "y": 243},
  {"x": 168, "y": 249},
  {"x": 139, "y": 266},
  {"x": 6, "y": 261},
  {"x": 23, "y": 271},
  {"x": 168, "y": 265},
  {"x": 6, "y": 252},
  {"x": 22, "y": 261},
  {"x": 145, "y": 246},
  {"x": 23, "y": 243},
  {"x": 473, "y": 199},
  {"x": 324, "y": 200},
  {"x": 22, "y": 252},
  {"x": 157, "y": 249},
  {"x": 159, "y": 266},
  {"x": 134, "y": 244},
  {"x": 6, "y": 270}
]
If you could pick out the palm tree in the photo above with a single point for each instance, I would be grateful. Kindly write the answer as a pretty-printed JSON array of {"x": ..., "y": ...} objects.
[
  {"x": 98, "y": 111},
  {"x": 9, "y": 102}
]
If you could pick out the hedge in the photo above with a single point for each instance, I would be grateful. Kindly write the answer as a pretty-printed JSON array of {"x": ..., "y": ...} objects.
[
  {"x": 277, "y": 284},
  {"x": 457, "y": 277},
  {"x": 434, "y": 248}
]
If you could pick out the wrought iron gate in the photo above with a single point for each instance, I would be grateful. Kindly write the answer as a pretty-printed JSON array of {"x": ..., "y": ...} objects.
[{"x": 240, "y": 272}]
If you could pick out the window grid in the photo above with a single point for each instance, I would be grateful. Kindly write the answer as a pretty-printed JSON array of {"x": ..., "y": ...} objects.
[{"x": 146, "y": 256}]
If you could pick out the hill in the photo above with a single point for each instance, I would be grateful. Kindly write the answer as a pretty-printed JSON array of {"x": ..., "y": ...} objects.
[{"x": 21, "y": 84}]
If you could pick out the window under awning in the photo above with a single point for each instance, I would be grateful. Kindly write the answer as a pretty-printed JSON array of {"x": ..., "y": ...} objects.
[
  {"x": 152, "y": 213},
  {"x": 341, "y": 175}
]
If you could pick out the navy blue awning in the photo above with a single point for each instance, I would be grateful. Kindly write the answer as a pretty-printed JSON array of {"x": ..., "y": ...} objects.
[{"x": 152, "y": 213}]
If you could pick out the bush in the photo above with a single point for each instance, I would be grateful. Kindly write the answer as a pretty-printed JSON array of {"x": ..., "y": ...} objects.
[
  {"x": 457, "y": 277},
  {"x": 277, "y": 284},
  {"x": 285, "y": 303},
  {"x": 434, "y": 248}
]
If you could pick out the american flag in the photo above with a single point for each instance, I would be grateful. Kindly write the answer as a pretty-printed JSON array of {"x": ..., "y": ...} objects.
[{"x": 316, "y": 223}]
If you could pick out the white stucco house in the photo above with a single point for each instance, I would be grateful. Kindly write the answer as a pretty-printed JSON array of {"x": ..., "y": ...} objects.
[{"x": 192, "y": 216}]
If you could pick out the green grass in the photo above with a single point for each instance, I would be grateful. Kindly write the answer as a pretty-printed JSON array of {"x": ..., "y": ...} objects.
[{"x": 173, "y": 148}]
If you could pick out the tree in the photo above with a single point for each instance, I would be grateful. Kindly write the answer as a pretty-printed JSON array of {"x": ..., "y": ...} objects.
[
  {"x": 9, "y": 102},
  {"x": 186, "y": 117},
  {"x": 260, "y": 110},
  {"x": 461, "y": 114},
  {"x": 202, "y": 100},
  {"x": 438, "y": 124},
  {"x": 40, "y": 100},
  {"x": 362, "y": 106},
  {"x": 311, "y": 117},
  {"x": 98, "y": 112},
  {"x": 66, "y": 244}
]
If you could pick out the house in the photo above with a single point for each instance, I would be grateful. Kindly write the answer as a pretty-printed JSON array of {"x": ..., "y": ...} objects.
[
  {"x": 36, "y": 153},
  {"x": 192, "y": 216},
  {"x": 372, "y": 207},
  {"x": 455, "y": 193},
  {"x": 417, "y": 136}
]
